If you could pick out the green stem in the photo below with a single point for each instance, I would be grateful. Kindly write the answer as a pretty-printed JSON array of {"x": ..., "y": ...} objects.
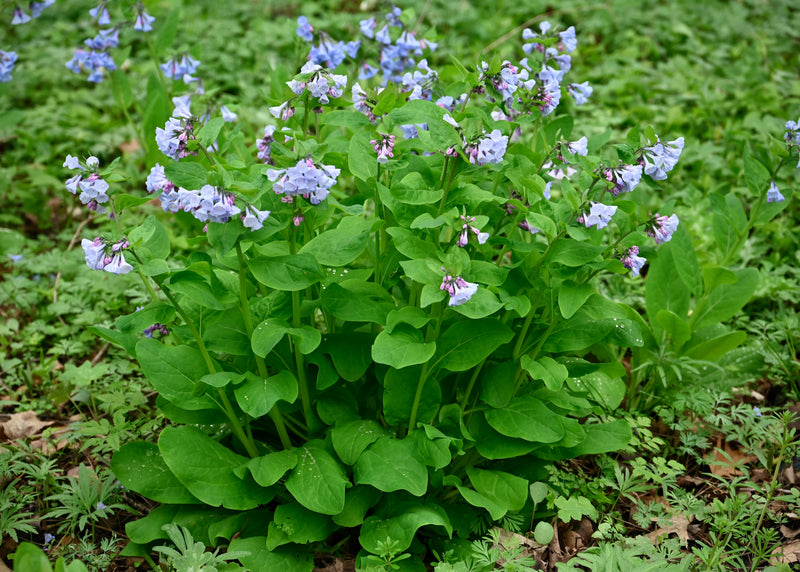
[
  {"x": 302, "y": 381},
  {"x": 154, "y": 57},
  {"x": 377, "y": 232},
  {"x": 473, "y": 378},
  {"x": 233, "y": 419},
  {"x": 275, "y": 412},
  {"x": 432, "y": 334}
]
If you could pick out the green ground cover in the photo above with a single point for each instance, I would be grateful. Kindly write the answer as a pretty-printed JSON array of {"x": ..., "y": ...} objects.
[{"x": 707, "y": 480}]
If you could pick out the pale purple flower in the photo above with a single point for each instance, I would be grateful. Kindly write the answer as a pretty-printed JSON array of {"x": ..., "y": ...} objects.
[
  {"x": 460, "y": 290},
  {"x": 580, "y": 92},
  {"x": 368, "y": 27},
  {"x": 568, "y": 39},
  {"x": 579, "y": 147},
  {"x": 792, "y": 135},
  {"x": 773, "y": 194},
  {"x": 599, "y": 215},
  {"x": 38, "y": 7},
  {"x": 304, "y": 29},
  {"x": 384, "y": 147},
  {"x": 489, "y": 149},
  {"x": 72, "y": 162},
  {"x": 254, "y": 218},
  {"x": 228, "y": 115},
  {"x": 7, "y": 61},
  {"x": 625, "y": 178},
  {"x": 101, "y": 13},
  {"x": 467, "y": 228},
  {"x": 311, "y": 181},
  {"x": 632, "y": 261},
  {"x": 661, "y": 158},
  {"x": 661, "y": 228},
  {"x": 157, "y": 180},
  {"x": 19, "y": 17},
  {"x": 144, "y": 22}
]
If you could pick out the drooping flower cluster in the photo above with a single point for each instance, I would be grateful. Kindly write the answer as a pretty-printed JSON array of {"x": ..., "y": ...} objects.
[
  {"x": 328, "y": 52},
  {"x": 420, "y": 82},
  {"x": 506, "y": 81},
  {"x": 7, "y": 61},
  {"x": 103, "y": 254},
  {"x": 265, "y": 145},
  {"x": 97, "y": 60},
  {"x": 320, "y": 83},
  {"x": 460, "y": 290},
  {"x": 395, "y": 56},
  {"x": 625, "y": 178},
  {"x": 36, "y": 8},
  {"x": 661, "y": 228},
  {"x": 467, "y": 228},
  {"x": 563, "y": 170},
  {"x": 488, "y": 149},
  {"x": 659, "y": 159},
  {"x": 172, "y": 140},
  {"x": 384, "y": 147},
  {"x": 304, "y": 179},
  {"x": 93, "y": 187},
  {"x": 599, "y": 215},
  {"x": 632, "y": 261},
  {"x": 182, "y": 68}
]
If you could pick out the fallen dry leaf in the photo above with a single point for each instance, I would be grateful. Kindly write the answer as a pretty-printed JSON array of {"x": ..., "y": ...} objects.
[
  {"x": 726, "y": 460},
  {"x": 788, "y": 532},
  {"x": 788, "y": 553},
  {"x": 679, "y": 525},
  {"x": 21, "y": 425}
]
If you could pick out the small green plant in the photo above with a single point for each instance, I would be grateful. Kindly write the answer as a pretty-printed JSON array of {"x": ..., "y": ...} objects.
[
  {"x": 85, "y": 500},
  {"x": 192, "y": 556}
]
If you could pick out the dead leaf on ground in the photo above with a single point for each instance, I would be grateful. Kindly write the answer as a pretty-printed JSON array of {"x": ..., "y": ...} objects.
[
  {"x": 330, "y": 563},
  {"x": 726, "y": 460},
  {"x": 679, "y": 525},
  {"x": 788, "y": 532},
  {"x": 21, "y": 425},
  {"x": 788, "y": 553}
]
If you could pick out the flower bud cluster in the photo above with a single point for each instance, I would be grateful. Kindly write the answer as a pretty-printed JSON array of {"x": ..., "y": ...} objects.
[
  {"x": 321, "y": 84},
  {"x": 383, "y": 147},
  {"x": 661, "y": 228},
  {"x": 632, "y": 261},
  {"x": 172, "y": 140},
  {"x": 155, "y": 328},
  {"x": 467, "y": 228}
]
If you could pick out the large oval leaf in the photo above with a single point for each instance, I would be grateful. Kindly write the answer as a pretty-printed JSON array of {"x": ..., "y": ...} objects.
[
  {"x": 318, "y": 481},
  {"x": 391, "y": 465},
  {"x": 174, "y": 371},
  {"x": 293, "y": 272},
  {"x": 140, "y": 467},
  {"x": 527, "y": 418}
]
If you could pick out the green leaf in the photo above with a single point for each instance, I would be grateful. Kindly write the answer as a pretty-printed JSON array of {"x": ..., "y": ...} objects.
[
  {"x": 186, "y": 174},
  {"x": 677, "y": 328},
  {"x": 398, "y": 396},
  {"x": 270, "y": 468},
  {"x": 151, "y": 235},
  {"x": 361, "y": 158},
  {"x": 482, "y": 304},
  {"x": 140, "y": 467},
  {"x": 350, "y": 353},
  {"x": 294, "y": 523},
  {"x": 403, "y": 347},
  {"x": 206, "y": 468},
  {"x": 290, "y": 273},
  {"x": 402, "y": 528},
  {"x": 756, "y": 175},
  {"x": 575, "y": 508},
  {"x": 662, "y": 291},
  {"x": 166, "y": 34},
  {"x": 604, "y": 388},
  {"x": 256, "y": 396},
  {"x": 306, "y": 338},
  {"x": 286, "y": 559},
  {"x": 209, "y": 132},
  {"x": 509, "y": 491},
  {"x": 413, "y": 190},
  {"x": 466, "y": 344},
  {"x": 685, "y": 260},
  {"x": 30, "y": 558},
  {"x": 357, "y": 502},
  {"x": 409, "y": 244},
  {"x": 124, "y": 201},
  {"x": 603, "y": 438},
  {"x": 267, "y": 335},
  {"x": 538, "y": 492},
  {"x": 318, "y": 481},
  {"x": 411, "y": 315},
  {"x": 552, "y": 373},
  {"x": 572, "y": 296},
  {"x": 574, "y": 253},
  {"x": 716, "y": 347},
  {"x": 350, "y": 440},
  {"x": 527, "y": 418},
  {"x": 174, "y": 371},
  {"x": 357, "y": 301},
  {"x": 391, "y": 465},
  {"x": 543, "y": 533},
  {"x": 196, "y": 288},
  {"x": 350, "y": 118},
  {"x": 726, "y": 300},
  {"x": 341, "y": 245}
]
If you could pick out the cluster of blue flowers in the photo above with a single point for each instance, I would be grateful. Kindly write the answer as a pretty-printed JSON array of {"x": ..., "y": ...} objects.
[
  {"x": 467, "y": 228},
  {"x": 97, "y": 60},
  {"x": 661, "y": 228},
  {"x": 304, "y": 179},
  {"x": 396, "y": 56},
  {"x": 7, "y": 61},
  {"x": 632, "y": 261},
  {"x": 320, "y": 83},
  {"x": 327, "y": 53},
  {"x": 93, "y": 187},
  {"x": 181, "y": 68},
  {"x": 172, "y": 140},
  {"x": 460, "y": 290}
]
